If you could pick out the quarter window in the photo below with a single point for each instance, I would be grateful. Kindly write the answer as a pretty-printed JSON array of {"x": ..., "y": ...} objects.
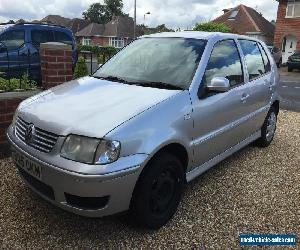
[
  {"x": 254, "y": 60},
  {"x": 225, "y": 61},
  {"x": 265, "y": 58},
  {"x": 41, "y": 36},
  {"x": 13, "y": 39}
]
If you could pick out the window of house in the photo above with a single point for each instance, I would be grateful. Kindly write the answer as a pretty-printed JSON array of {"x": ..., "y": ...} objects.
[
  {"x": 225, "y": 61},
  {"x": 12, "y": 39},
  {"x": 116, "y": 42},
  {"x": 254, "y": 60},
  {"x": 62, "y": 37},
  {"x": 86, "y": 41},
  {"x": 293, "y": 8},
  {"x": 233, "y": 15},
  {"x": 41, "y": 36}
]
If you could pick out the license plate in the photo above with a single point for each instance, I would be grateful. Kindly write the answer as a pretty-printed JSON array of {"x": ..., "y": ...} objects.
[{"x": 28, "y": 165}]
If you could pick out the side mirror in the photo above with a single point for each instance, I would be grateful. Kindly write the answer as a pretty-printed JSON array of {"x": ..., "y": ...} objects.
[{"x": 218, "y": 84}]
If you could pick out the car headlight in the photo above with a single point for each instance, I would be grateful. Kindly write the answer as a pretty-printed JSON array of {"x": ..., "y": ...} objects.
[{"x": 90, "y": 150}]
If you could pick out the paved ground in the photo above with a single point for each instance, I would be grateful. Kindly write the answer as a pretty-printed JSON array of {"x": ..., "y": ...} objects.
[
  {"x": 254, "y": 191},
  {"x": 290, "y": 89}
]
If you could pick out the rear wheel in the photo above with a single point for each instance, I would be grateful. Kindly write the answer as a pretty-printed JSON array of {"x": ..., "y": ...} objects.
[
  {"x": 158, "y": 191},
  {"x": 268, "y": 129}
]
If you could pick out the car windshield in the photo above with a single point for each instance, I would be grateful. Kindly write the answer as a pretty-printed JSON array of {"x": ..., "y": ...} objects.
[{"x": 155, "y": 62}]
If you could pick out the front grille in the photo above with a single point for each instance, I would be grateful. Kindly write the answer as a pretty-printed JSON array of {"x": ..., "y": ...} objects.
[
  {"x": 38, "y": 185},
  {"x": 89, "y": 203},
  {"x": 41, "y": 140}
]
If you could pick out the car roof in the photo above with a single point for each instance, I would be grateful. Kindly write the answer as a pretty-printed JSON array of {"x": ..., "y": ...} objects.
[
  {"x": 200, "y": 35},
  {"x": 40, "y": 25}
]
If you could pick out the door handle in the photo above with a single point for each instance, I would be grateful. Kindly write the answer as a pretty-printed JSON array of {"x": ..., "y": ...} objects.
[{"x": 244, "y": 98}]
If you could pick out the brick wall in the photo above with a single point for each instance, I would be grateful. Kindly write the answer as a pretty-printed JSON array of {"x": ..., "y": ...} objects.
[
  {"x": 56, "y": 64},
  {"x": 285, "y": 26},
  {"x": 100, "y": 41},
  {"x": 8, "y": 104}
]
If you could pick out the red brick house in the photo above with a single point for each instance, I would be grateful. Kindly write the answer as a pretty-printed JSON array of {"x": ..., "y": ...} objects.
[
  {"x": 287, "y": 32},
  {"x": 117, "y": 33},
  {"x": 244, "y": 20}
]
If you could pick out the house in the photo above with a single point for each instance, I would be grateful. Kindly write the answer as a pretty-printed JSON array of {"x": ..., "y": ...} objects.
[
  {"x": 74, "y": 24},
  {"x": 244, "y": 20},
  {"x": 117, "y": 33},
  {"x": 287, "y": 32}
]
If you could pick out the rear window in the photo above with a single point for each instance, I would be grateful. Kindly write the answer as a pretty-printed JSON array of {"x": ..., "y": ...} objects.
[
  {"x": 254, "y": 60},
  {"x": 62, "y": 37},
  {"x": 265, "y": 58},
  {"x": 41, "y": 36}
]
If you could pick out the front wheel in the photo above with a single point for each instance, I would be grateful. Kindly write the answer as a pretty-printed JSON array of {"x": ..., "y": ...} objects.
[
  {"x": 158, "y": 191},
  {"x": 268, "y": 129}
]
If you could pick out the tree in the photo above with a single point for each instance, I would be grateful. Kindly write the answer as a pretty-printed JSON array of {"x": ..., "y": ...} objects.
[
  {"x": 103, "y": 13},
  {"x": 80, "y": 68},
  {"x": 212, "y": 27}
]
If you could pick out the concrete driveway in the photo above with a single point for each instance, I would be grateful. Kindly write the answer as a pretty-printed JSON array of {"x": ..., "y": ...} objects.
[{"x": 289, "y": 89}]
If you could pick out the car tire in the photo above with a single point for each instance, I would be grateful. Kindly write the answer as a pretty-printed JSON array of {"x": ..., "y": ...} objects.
[
  {"x": 268, "y": 129},
  {"x": 158, "y": 191},
  {"x": 290, "y": 69}
]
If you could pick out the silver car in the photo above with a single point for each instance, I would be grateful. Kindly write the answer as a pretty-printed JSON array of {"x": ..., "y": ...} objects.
[{"x": 158, "y": 114}]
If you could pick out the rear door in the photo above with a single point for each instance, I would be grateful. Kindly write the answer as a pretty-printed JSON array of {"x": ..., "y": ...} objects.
[
  {"x": 260, "y": 81},
  {"x": 11, "y": 63},
  {"x": 219, "y": 117}
]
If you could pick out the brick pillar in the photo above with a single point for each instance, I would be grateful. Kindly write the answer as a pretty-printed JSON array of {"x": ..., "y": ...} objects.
[{"x": 56, "y": 63}]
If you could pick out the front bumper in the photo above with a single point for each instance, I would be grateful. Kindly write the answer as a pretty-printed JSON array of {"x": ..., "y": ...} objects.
[{"x": 88, "y": 195}]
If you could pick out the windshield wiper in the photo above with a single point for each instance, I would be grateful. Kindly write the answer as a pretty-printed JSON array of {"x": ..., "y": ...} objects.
[
  {"x": 160, "y": 85},
  {"x": 112, "y": 78}
]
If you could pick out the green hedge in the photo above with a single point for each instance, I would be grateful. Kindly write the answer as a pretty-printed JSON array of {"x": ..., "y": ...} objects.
[
  {"x": 15, "y": 84},
  {"x": 80, "y": 68},
  {"x": 108, "y": 50}
]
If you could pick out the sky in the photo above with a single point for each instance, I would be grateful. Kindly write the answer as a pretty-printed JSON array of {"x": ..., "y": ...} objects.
[{"x": 174, "y": 13}]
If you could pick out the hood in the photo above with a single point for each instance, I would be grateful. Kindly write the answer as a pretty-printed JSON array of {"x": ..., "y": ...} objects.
[{"x": 89, "y": 106}]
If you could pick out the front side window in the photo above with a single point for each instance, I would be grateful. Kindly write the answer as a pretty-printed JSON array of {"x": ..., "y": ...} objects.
[
  {"x": 156, "y": 62},
  {"x": 41, "y": 36},
  {"x": 13, "y": 39},
  {"x": 254, "y": 60},
  {"x": 116, "y": 42},
  {"x": 86, "y": 41},
  {"x": 293, "y": 8},
  {"x": 225, "y": 62}
]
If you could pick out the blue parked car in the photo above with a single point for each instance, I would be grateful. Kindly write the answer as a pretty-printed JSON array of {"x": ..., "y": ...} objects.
[{"x": 19, "y": 47}]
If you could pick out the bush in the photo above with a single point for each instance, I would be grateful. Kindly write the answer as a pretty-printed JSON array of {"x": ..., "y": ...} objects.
[
  {"x": 80, "y": 68},
  {"x": 212, "y": 27},
  {"x": 17, "y": 84},
  {"x": 107, "y": 50}
]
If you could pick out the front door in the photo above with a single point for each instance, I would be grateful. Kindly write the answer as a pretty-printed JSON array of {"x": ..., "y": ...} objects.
[
  {"x": 218, "y": 117},
  {"x": 289, "y": 45}
]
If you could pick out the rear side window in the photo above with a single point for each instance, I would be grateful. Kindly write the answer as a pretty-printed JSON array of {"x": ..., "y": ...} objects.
[
  {"x": 225, "y": 61},
  {"x": 254, "y": 60},
  {"x": 265, "y": 58},
  {"x": 62, "y": 37},
  {"x": 13, "y": 39},
  {"x": 41, "y": 36}
]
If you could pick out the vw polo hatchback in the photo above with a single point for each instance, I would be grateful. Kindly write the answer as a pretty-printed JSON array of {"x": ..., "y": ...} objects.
[{"x": 158, "y": 114}]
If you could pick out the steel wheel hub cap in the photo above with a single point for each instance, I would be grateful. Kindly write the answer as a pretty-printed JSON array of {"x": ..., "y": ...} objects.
[{"x": 271, "y": 126}]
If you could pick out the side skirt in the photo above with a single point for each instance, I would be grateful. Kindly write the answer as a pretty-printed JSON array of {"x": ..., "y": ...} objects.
[{"x": 207, "y": 165}]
